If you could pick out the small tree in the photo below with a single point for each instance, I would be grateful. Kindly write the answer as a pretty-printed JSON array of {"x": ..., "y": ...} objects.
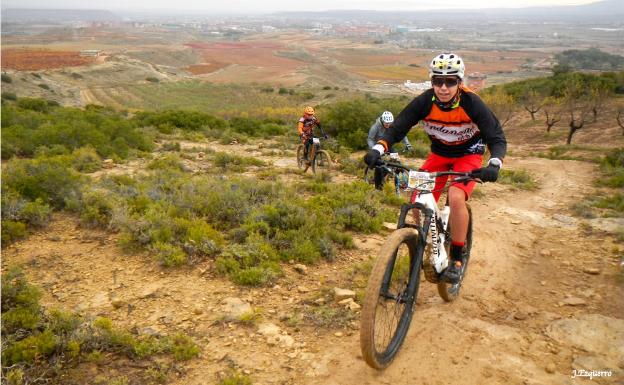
[
  {"x": 598, "y": 96},
  {"x": 577, "y": 110},
  {"x": 552, "y": 109},
  {"x": 532, "y": 101},
  {"x": 620, "y": 118},
  {"x": 502, "y": 104}
]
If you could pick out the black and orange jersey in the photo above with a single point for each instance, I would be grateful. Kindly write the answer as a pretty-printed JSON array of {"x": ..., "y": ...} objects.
[
  {"x": 463, "y": 129},
  {"x": 305, "y": 126}
]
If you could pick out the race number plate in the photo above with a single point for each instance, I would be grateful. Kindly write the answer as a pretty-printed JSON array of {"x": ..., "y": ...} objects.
[
  {"x": 394, "y": 155},
  {"x": 316, "y": 140},
  {"x": 420, "y": 180}
]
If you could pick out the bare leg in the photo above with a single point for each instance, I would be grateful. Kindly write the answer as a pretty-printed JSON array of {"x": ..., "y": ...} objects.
[{"x": 459, "y": 214}]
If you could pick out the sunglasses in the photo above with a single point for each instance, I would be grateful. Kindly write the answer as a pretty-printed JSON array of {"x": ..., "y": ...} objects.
[{"x": 450, "y": 82}]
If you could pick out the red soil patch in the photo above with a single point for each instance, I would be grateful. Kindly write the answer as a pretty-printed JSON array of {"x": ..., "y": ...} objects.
[
  {"x": 30, "y": 59},
  {"x": 206, "y": 68},
  {"x": 255, "y": 54}
]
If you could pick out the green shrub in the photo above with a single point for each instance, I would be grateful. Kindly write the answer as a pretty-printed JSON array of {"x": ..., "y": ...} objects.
[
  {"x": 16, "y": 291},
  {"x": 229, "y": 137},
  {"x": 167, "y": 162},
  {"x": 249, "y": 264},
  {"x": 40, "y": 105},
  {"x": 12, "y": 231},
  {"x": 97, "y": 207},
  {"x": 44, "y": 86},
  {"x": 232, "y": 162},
  {"x": 36, "y": 213},
  {"x": 85, "y": 159},
  {"x": 235, "y": 378},
  {"x": 185, "y": 120},
  {"x": 20, "y": 318},
  {"x": 613, "y": 202},
  {"x": 152, "y": 79},
  {"x": 183, "y": 347},
  {"x": 30, "y": 348},
  {"x": 171, "y": 146},
  {"x": 520, "y": 179},
  {"x": 169, "y": 255},
  {"x": 37, "y": 341},
  {"x": 9, "y": 96},
  {"x": 6, "y": 78},
  {"x": 612, "y": 166},
  {"x": 47, "y": 179},
  {"x": 32, "y": 123}
]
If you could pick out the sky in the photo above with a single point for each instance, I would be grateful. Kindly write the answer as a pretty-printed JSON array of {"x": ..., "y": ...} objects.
[{"x": 266, "y": 6}]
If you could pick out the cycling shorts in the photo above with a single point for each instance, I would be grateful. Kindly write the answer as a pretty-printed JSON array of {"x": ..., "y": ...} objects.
[{"x": 435, "y": 163}]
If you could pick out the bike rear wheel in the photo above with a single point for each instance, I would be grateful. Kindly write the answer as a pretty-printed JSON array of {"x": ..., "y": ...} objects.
[
  {"x": 448, "y": 291},
  {"x": 321, "y": 162},
  {"x": 388, "y": 307}
]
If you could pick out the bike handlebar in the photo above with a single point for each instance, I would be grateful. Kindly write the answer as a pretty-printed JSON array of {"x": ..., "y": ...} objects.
[{"x": 464, "y": 177}]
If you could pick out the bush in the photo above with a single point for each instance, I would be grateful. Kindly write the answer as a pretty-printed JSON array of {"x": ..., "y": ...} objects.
[
  {"x": 171, "y": 146},
  {"x": 85, "y": 159},
  {"x": 97, "y": 207},
  {"x": 33, "y": 123},
  {"x": 32, "y": 347},
  {"x": 612, "y": 166},
  {"x": 231, "y": 162},
  {"x": 47, "y": 179},
  {"x": 6, "y": 78},
  {"x": 34, "y": 104},
  {"x": 349, "y": 121},
  {"x": 167, "y": 162},
  {"x": 169, "y": 255},
  {"x": 520, "y": 179},
  {"x": 614, "y": 203},
  {"x": 235, "y": 378},
  {"x": 152, "y": 79},
  {"x": 9, "y": 96},
  {"x": 12, "y": 231},
  {"x": 44, "y": 86},
  {"x": 44, "y": 345},
  {"x": 184, "y": 120}
]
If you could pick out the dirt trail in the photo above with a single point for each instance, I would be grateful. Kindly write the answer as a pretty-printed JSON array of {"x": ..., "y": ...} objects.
[
  {"x": 521, "y": 272},
  {"x": 512, "y": 324}
]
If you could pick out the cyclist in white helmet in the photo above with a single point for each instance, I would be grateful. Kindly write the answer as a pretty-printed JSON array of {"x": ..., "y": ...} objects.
[
  {"x": 382, "y": 123},
  {"x": 460, "y": 127}
]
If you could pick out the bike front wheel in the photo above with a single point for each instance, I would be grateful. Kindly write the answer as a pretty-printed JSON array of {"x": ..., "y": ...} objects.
[
  {"x": 388, "y": 304},
  {"x": 322, "y": 162}
]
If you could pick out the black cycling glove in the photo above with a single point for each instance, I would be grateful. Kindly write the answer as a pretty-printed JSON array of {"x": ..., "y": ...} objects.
[
  {"x": 487, "y": 174},
  {"x": 372, "y": 158}
]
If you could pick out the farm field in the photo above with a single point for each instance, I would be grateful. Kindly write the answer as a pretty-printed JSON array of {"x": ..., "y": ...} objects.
[{"x": 34, "y": 60}]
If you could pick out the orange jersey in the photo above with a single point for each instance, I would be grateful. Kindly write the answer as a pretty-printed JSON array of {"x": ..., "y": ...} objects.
[
  {"x": 464, "y": 128},
  {"x": 305, "y": 126}
]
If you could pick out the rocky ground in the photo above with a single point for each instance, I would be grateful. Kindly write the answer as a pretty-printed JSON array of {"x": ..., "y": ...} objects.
[{"x": 543, "y": 297}]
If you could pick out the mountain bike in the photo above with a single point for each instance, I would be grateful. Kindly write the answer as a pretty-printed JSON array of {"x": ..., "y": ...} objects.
[
  {"x": 317, "y": 158},
  {"x": 397, "y": 175},
  {"x": 420, "y": 242}
]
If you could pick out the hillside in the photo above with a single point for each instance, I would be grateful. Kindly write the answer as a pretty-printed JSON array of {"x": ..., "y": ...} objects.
[{"x": 542, "y": 274}]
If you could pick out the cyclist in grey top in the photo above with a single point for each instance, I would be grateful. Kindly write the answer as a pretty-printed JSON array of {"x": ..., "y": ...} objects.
[{"x": 380, "y": 126}]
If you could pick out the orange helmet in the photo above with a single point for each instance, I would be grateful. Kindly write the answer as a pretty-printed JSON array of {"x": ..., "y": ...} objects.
[{"x": 308, "y": 110}]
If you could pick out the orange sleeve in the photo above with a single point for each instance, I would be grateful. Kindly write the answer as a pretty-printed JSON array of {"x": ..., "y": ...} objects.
[
  {"x": 300, "y": 127},
  {"x": 383, "y": 143}
]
